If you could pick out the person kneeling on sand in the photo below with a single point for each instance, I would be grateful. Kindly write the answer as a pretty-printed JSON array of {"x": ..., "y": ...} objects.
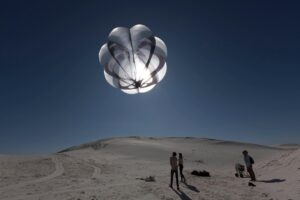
[
  {"x": 249, "y": 162},
  {"x": 239, "y": 169},
  {"x": 174, "y": 169}
]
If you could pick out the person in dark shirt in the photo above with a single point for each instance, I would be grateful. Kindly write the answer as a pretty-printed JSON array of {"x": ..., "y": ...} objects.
[
  {"x": 249, "y": 162},
  {"x": 174, "y": 169}
]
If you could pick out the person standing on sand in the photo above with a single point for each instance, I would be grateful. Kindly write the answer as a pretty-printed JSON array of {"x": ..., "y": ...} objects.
[
  {"x": 249, "y": 162},
  {"x": 174, "y": 169},
  {"x": 180, "y": 163}
]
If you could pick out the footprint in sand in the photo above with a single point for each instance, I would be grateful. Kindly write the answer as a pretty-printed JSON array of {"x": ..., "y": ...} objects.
[{"x": 59, "y": 170}]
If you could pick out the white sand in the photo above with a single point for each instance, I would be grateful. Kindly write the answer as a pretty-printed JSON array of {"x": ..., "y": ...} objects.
[{"x": 108, "y": 169}]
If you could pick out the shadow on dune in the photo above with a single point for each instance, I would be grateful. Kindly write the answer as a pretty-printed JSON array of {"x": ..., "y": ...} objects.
[
  {"x": 191, "y": 187},
  {"x": 182, "y": 195},
  {"x": 274, "y": 180}
]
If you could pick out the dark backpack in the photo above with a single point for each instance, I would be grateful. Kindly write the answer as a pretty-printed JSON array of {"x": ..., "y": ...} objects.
[
  {"x": 251, "y": 160},
  {"x": 201, "y": 173}
]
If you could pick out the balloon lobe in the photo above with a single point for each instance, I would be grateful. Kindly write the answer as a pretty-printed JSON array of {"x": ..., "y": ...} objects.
[{"x": 134, "y": 60}]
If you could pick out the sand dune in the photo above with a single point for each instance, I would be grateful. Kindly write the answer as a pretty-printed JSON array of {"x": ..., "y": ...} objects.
[{"x": 108, "y": 169}]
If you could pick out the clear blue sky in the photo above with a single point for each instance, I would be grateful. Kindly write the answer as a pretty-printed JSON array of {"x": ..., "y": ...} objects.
[{"x": 233, "y": 72}]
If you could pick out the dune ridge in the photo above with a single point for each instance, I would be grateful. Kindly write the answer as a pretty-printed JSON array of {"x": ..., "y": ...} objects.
[{"x": 113, "y": 169}]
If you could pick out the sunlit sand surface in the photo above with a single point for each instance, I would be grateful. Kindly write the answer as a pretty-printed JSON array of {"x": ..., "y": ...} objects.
[{"x": 109, "y": 169}]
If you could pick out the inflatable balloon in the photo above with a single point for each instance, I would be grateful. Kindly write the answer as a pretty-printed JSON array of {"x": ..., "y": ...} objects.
[{"x": 134, "y": 60}]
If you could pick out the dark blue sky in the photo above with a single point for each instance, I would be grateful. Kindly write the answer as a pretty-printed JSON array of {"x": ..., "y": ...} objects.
[{"x": 233, "y": 72}]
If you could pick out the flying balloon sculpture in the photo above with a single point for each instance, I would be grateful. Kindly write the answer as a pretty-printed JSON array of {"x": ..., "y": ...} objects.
[{"x": 134, "y": 60}]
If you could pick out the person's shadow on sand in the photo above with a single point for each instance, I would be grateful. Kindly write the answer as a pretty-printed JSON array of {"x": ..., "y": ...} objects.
[
  {"x": 191, "y": 187},
  {"x": 274, "y": 180},
  {"x": 182, "y": 195}
]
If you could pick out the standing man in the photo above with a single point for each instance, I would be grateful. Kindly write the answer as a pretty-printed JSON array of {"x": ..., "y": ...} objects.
[
  {"x": 249, "y": 162},
  {"x": 174, "y": 169}
]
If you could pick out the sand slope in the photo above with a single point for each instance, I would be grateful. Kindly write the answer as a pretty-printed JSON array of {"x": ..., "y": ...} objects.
[{"x": 108, "y": 169}]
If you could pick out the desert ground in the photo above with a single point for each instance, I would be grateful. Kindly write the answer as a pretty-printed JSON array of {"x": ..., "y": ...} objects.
[{"x": 113, "y": 168}]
